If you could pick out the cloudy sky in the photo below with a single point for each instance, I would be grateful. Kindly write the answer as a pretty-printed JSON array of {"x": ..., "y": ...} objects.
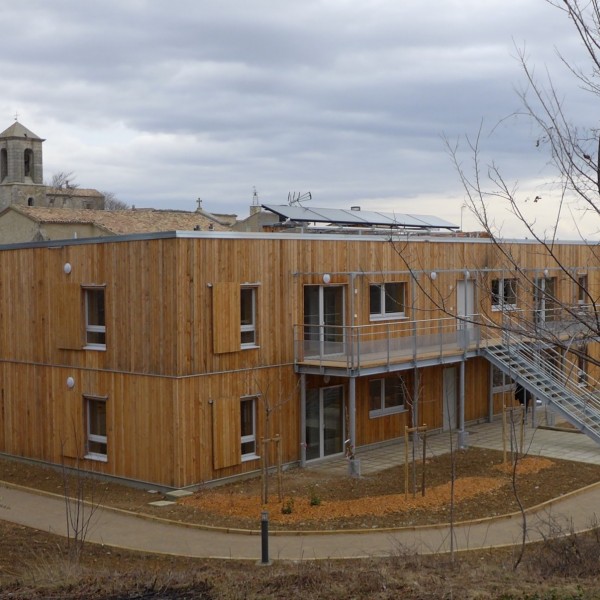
[{"x": 162, "y": 103}]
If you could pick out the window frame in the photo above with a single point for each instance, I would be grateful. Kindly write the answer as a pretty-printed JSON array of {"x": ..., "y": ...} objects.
[
  {"x": 508, "y": 384},
  {"x": 253, "y": 436},
  {"x": 507, "y": 284},
  {"x": 94, "y": 328},
  {"x": 246, "y": 328},
  {"x": 384, "y": 410},
  {"x": 382, "y": 314},
  {"x": 96, "y": 438}
]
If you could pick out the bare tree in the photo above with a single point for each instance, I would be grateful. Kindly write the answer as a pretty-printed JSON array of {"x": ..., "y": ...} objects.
[
  {"x": 64, "y": 179},
  {"x": 574, "y": 153},
  {"x": 111, "y": 202},
  {"x": 549, "y": 324}
]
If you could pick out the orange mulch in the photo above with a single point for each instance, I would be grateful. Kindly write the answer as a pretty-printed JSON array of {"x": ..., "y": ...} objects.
[
  {"x": 239, "y": 505},
  {"x": 526, "y": 466},
  {"x": 243, "y": 505}
]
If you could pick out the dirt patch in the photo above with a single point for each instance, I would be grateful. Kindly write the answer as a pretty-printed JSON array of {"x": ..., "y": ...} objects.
[
  {"x": 374, "y": 502},
  {"x": 319, "y": 500}
]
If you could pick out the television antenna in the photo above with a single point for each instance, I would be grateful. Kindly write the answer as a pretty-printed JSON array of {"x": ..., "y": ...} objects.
[{"x": 298, "y": 198}]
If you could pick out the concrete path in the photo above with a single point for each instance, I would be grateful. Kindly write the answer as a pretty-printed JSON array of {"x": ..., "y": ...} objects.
[
  {"x": 578, "y": 511},
  {"x": 126, "y": 530}
]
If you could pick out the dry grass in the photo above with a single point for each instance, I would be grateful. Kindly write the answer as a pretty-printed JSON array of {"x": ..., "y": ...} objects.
[{"x": 109, "y": 574}]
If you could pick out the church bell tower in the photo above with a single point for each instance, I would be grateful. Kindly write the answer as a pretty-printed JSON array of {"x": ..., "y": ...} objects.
[{"x": 21, "y": 167}]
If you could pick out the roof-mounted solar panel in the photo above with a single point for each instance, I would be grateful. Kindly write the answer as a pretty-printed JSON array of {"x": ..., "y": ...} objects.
[{"x": 364, "y": 218}]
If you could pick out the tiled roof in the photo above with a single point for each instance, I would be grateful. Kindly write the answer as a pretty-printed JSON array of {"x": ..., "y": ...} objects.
[
  {"x": 122, "y": 221},
  {"x": 72, "y": 192},
  {"x": 18, "y": 130}
]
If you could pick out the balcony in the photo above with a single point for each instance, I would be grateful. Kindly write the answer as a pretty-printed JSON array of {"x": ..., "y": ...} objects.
[
  {"x": 393, "y": 346},
  {"x": 364, "y": 349}
]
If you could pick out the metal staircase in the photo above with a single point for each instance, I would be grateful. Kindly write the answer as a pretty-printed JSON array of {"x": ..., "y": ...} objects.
[{"x": 551, "y": 377}]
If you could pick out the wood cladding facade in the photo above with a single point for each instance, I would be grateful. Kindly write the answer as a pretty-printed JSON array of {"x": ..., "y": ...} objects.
[{"x": 173, "y": 369}]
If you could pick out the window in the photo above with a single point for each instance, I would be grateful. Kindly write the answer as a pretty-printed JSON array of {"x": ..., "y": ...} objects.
[
  {"x": 248, "y": 428},
  {"x": 96, "y": 445},
  {"x": 387, "y": 300},
  {"x": 504, "y": 294},
  {"x": 386, "y": 396},
  {"x": 582, "y": 289},
  {"x": 95, "y": 324},
  {"x": 248, "y": 316},
  {"x": 500, "y": 381}
]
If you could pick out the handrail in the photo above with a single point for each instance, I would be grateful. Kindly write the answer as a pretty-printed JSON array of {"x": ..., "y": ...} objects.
[
  {"x": 385, "y": 342},
  {"x": 556, "y": 375}
]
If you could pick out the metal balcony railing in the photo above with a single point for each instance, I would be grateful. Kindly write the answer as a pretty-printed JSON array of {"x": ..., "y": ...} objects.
[
  {"x": 384, "y": 344},
  {"x": 379, "y": 345}
]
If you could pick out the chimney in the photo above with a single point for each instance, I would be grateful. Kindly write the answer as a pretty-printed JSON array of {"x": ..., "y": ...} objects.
[{"x": 355, "y": 208}]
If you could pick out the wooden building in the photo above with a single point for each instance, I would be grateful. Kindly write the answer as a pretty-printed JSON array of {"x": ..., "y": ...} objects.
[{"x": 168, "y": 358}]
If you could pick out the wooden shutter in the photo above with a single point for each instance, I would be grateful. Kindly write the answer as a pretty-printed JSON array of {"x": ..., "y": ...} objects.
[
  {"x": 226, "y": 432},
  {"x": 67, "y": 316},
  {"x": 226, "y": 310},
  {"x": 71, "y": 429}
]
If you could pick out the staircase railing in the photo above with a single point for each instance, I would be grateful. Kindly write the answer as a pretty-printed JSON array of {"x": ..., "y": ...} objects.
[{"x": 547, "y": 370}]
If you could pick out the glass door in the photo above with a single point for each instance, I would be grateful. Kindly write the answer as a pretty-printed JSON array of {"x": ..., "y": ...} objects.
[
  {"x": 544, "y": 300},
  {"x": 323, "y": 320},
  {"x": 324, "y": 422}
]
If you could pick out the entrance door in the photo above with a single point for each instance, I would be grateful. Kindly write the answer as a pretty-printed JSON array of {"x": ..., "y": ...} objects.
[
  {"x": 324, "y": 422},
  {"x": 449, "y": 400},
  {"x": 323, "y": 319}
]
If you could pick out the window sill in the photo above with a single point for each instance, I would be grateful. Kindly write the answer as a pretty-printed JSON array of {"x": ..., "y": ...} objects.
[
  {"x": 390, "y": 317},
  {"x": 384, "y": 412},
  {"x": 248, "y": 457},
  {"x": 97, "y": 348},
  {"x": 96, "y": 457},
  {"x": 249, "y": 347}
]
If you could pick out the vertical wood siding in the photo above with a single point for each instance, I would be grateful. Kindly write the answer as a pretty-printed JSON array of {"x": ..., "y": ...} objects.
[{"x": 173, "y": 337}]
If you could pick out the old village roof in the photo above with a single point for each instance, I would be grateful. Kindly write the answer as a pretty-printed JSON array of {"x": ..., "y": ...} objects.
[
  {"x": 123, "y": 221},
  {"x": 72, "y": 192},
  {"x": 16, "y": 130}
]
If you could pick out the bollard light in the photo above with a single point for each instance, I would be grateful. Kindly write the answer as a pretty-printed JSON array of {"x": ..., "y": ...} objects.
[{"x": 264, "y": 537}]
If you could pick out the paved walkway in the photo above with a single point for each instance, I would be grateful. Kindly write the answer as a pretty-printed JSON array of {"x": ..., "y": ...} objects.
[{"x": 125, "y": 530}]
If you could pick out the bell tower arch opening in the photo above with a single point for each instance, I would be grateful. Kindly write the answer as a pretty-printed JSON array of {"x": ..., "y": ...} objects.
[
  {"x": 3, "y": 164},
  {"x": 28, "y": 163}
]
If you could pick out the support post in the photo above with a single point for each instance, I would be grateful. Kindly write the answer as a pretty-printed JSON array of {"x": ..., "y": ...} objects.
[
  {"x": 490, "y": 417},
  {"x": 416, "y": 392},
  {"x": 462, "y": 434},
  {"x": 352, "y": 410},
  {"x": 303, "y": 419}
]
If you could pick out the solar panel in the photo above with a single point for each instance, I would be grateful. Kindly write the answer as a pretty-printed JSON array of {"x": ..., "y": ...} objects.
[{"x": 365, "y": 218}]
